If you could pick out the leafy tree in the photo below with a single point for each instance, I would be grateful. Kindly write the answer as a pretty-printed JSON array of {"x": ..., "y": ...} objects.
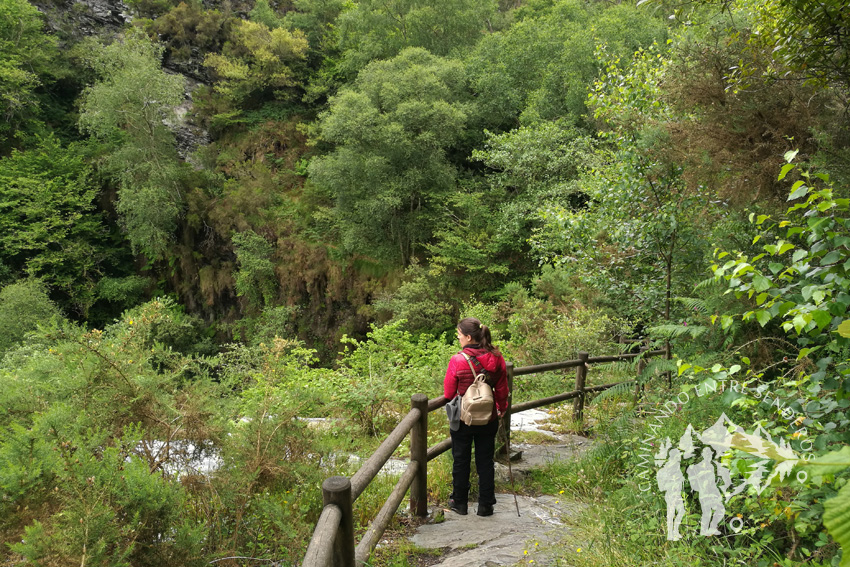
[
  {"x": 255, "y": 279},
  {"x": 807, "y": 38},
  {"x": 257, "y": 61},
  {"x": 317, "y": 20},
  {"x": 188, "y": 27},
  {"x": 48, "y": 220},
  {"x": 423, "y": 300},
  {"x": 372, "y": 30},
  {"x": 23, "y": 306},
  {"x": 25, "y": 53},
  {"x": 389, "y": 170},
  {"x": 484, "y": 239},
  {"x": 540, "y": 68},
  {"x": 127, "y": 109},
  {"x": 263, "y": 13},
  {"x": 638, "y": 238}
]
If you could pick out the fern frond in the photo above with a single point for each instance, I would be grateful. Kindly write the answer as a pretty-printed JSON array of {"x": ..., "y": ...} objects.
[
  {"x": 693, "y": 304},
  {"x": 671, "y": 331},
  {"x": 621, "y": 389},
  {"x": 707, "y": 283}
]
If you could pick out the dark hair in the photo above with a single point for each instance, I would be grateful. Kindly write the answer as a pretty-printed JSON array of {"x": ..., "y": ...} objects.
[{"x": 479, "y": 332}]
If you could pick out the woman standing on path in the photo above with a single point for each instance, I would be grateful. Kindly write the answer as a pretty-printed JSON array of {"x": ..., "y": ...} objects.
[{"x": 475, "y": 342}]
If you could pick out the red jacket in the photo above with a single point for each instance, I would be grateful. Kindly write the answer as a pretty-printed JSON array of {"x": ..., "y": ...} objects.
[{"x": 459, "y": 376}]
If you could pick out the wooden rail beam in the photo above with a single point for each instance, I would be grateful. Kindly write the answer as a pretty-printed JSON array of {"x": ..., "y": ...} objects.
[
  {"x": 320, "y": 551},
  {"x": 369, "y": 470},
  {"x": 382, "y": 520},
  {"x": 436, "y": 403},
  {"x": 439, "y": 448},
  {"x": 546, "y": 367}
]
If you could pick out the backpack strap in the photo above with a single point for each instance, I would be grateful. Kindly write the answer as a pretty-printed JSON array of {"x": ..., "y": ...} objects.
[
  {"x": 482, "y": 370},
  {"x": 469, "y": 362}
]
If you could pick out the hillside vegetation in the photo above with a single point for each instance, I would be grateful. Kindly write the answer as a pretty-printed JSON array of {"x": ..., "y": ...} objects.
[{"x": 217, "y": 218}]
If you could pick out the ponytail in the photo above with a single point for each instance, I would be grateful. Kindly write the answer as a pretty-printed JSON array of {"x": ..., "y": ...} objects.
[{"x": 479, "y": 332}]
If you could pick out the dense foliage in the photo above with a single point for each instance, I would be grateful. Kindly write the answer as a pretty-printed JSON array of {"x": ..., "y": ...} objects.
[{"x": 216, "y": 218}]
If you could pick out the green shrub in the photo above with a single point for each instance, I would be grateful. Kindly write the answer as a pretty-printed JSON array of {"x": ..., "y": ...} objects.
[
  {"x": 23, "y": 306},
  {"x": 376, "y": 377}
]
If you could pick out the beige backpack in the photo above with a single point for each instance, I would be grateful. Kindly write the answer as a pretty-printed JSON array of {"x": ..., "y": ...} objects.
[{"x": 476, "y": 408}]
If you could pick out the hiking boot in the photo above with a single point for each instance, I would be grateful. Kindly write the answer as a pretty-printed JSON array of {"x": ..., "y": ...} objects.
[
  {"x": 485, "y": 509},
  {"x": 458, "y": 508}
]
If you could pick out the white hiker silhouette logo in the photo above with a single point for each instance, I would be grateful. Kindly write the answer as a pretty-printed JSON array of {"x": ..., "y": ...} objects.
[{"x": 707, "y": 475}]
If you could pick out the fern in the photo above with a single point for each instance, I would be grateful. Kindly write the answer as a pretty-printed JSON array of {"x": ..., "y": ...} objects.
[
  {"x": 708, "y": 283},
  {"x": 671, "y": 331},
  {"x": 693, "y": 304},
  {"x": 621, "y": 389}
]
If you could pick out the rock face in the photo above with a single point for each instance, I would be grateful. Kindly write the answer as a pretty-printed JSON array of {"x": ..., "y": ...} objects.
[
  {"x": 72, "y": 20},
  {"x": 189, "y": 137}
]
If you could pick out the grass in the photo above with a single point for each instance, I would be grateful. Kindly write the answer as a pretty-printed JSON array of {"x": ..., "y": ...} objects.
[
  {"x": 400, "y": 552},
  {"x": 534, "y": 438}
]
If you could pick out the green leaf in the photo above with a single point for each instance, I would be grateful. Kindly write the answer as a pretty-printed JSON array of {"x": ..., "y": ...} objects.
[
  {"x": 763, "y": 317},
  {"x": 806, "y": 352},
  {"x": 844, "y": 329},
  {"x": 822, "y": 318},
  {"x": 760, "y": 283},
  {"x": 786, "y": 307},
  {"x": 799, "y": 189},
  {"x": 830, "y": 463},
  {"x": 799, "y": 255},
  {"x": 836, "y": 518},
  {"x": 784, "y": 171},
  {"x": 790, "y": 155},
  {"x": 831, "y": 258}
]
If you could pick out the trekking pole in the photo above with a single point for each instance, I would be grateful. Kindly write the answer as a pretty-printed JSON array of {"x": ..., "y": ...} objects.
[{"x": 510, "y": 471}]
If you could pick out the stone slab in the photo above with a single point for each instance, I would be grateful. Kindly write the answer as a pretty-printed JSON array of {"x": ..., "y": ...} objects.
[{"x": 500, "y": 539}]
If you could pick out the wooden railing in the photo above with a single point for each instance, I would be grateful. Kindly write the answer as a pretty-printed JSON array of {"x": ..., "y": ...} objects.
[{"x": 333, "y": 539}]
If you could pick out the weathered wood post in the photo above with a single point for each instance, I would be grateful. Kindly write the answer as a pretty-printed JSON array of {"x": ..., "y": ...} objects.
[
  {"x": 419, "y": 455},
  {"x": 337, "y": 490},
  {"x": 640, "y": 368},
  {"x": 581, "y": 377},
  {"x": 506, "y": 419}
]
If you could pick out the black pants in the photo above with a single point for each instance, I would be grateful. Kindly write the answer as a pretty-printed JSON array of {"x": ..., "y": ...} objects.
[{"x": 484, "y": 438}]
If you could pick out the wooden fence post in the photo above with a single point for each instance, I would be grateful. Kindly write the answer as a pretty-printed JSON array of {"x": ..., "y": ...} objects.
[
  {"x": 506, "y": 419},
  {"x": 337, "y": 490},
  {"x": 419, "y": 454},
  {"x": 640, "y": 368},
  {"x": 581, "y": 377}
]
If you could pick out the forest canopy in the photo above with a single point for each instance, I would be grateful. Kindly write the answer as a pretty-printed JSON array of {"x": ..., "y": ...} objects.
[{"x": 216, "y": 213}]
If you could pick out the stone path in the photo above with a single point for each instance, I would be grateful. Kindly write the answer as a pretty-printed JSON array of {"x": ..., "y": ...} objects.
[{"x": 503, "y": 538}]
